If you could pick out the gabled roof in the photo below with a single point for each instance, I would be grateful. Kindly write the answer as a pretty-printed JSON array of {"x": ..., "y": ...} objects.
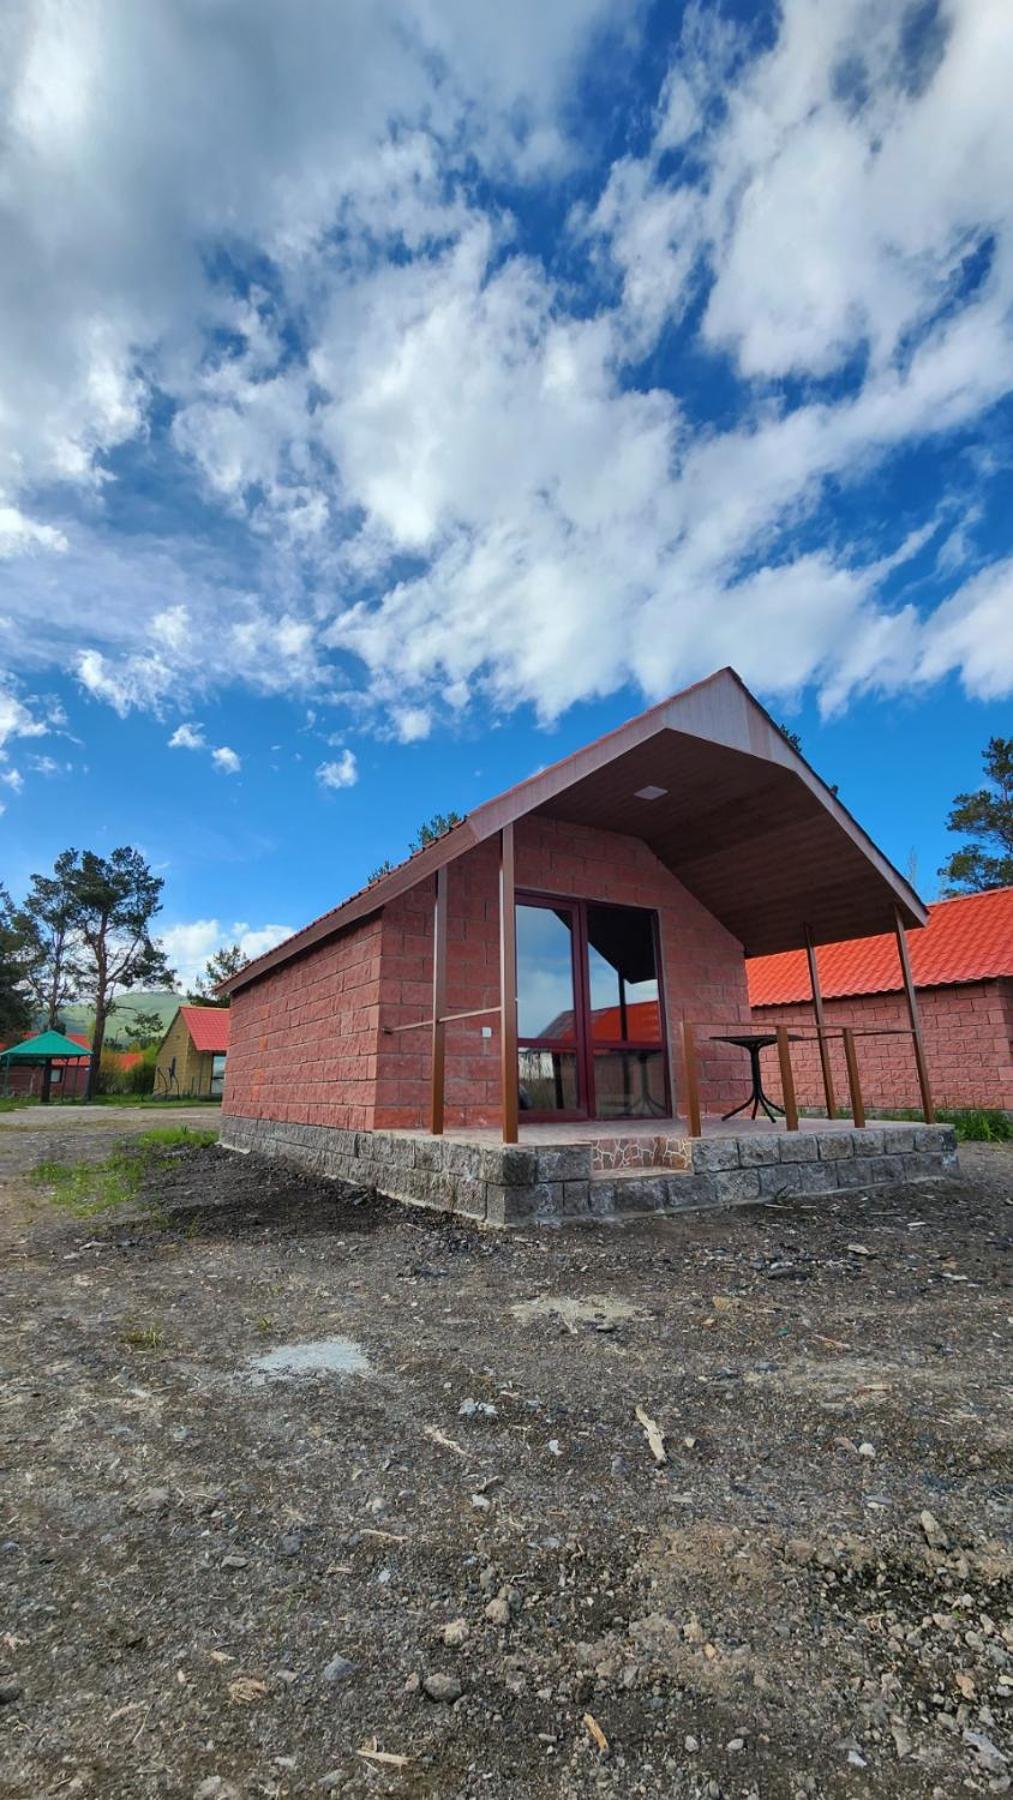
[
  {"x": 740, "y": 818},
  {"x": 208, "y": 1027},
  {"x": 969, "y": 938},
  {"x": 46, "y": 1046}
]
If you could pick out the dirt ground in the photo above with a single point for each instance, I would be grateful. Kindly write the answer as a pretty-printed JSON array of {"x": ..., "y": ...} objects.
[{"x": 224, "y": 1582}]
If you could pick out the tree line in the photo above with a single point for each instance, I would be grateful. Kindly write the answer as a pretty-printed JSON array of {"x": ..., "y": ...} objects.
[{"x": 85, "y": 932}]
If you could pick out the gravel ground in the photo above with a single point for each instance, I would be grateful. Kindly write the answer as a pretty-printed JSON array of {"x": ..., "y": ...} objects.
[{"x": 219, "y": 1582}]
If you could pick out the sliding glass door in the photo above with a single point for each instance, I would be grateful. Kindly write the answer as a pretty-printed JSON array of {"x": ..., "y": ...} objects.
[{"x": 590, "y": 1012}]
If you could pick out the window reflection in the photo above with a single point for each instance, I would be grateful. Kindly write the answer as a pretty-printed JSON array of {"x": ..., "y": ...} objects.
[
  {"x": 547, "y": 1080},
  {"x": 623, "y": 976},
  {"x": 630, "y": 1084},
  {"x": 545, "y": 973}
]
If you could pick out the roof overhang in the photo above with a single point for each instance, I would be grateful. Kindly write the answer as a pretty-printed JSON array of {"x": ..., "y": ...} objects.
[{"x": 740, "y": 819}]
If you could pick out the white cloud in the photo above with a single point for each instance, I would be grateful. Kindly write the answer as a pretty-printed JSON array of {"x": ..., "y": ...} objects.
[
  {"x": 454, "y": 473},
  {"x": 21, "y": 719},
  {"x": 144, "y": 681},
  {"x": 343, "y": 773},
  {"x": 187, "y": 737},
  {"x": 973, "y": 634},
  {"x": 19, "y": 534},
  {"x": 191, "y": 737},
  {"x": 411, "y": 723},
  {"x": 17, "y": 720},
  {"x": 128, "y": 195},
  {"x": 189, "y": 944}
]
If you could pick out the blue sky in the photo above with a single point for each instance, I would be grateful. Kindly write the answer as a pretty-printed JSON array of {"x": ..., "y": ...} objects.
[{"x": 393, "y": 398}]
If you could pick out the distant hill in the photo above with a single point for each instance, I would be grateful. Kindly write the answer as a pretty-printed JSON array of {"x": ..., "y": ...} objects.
[{"x": 81, "y": 1016}]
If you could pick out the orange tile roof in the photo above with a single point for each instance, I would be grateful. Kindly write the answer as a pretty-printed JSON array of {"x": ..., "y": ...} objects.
[
  {"x": 969, "y": 938},
  {"x": 208, "y": 1027}
]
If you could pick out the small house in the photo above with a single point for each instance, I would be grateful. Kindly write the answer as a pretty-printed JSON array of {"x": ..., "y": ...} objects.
[
  {"x": 191, "y": 1056},
  {"x": 545, "y": 1011},
  {"x": 50, "y": 1066}
]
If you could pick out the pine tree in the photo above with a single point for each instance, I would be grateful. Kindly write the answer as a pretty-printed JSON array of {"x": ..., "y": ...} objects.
[
  {"x": 112, "y": 902},
  {"x": 987, "y": 815},
  {"x": 225, "y": 962}
]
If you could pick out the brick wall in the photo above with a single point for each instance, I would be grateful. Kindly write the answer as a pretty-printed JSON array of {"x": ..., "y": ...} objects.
[
  {"x": 303, "y": 1045},
  {"x": 71, "y": 1081},
  {"x": 968, "y": 1032},
  {"x": 308, "y": 1043},
  {"x": 704, "y": 970}
]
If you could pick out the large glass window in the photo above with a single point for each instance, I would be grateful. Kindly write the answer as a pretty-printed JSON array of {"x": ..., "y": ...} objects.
[
  {"x": 630, "y": 1084},
  {"x": 545, "y": 973},
  {"x": 547, "y": 1080},
  {"x": 622, "y": 975},
  {"x": 590, "y": 1030}
]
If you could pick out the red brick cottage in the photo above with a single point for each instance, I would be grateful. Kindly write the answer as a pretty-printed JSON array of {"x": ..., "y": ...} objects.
[
  {"x": 564, "y": 961},
  {"x": 962, "y": 965}
]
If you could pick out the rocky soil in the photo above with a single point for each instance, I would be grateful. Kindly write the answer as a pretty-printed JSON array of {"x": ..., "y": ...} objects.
[{"x": 446, "y": 1558}]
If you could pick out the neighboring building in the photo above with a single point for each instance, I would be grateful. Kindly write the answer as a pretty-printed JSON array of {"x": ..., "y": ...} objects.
[
  {"x": 191, "y": 1056},
  {"x": 962, "y": 965},
  {"x": 54, "y": 1077},
  {"x": 635, "y": 874}
]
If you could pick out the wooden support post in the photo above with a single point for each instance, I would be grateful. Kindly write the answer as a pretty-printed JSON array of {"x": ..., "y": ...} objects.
[
  {"x": 821, "y": 1024},
  {"x": 439, "y": 1060},
  {"x": 787, "y": 1080},
  {"x": 691, "y": 1078},
  {"x": 854, "y": 1084},
  {"x": 508, "y": 983},
  {"x": 913, "y": 1014}
]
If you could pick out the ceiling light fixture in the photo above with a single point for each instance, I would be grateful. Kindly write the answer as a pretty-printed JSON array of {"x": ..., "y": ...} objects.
[{"x": 649, "y": 793}]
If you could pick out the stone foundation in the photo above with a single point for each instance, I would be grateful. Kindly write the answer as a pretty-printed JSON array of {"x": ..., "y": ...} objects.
[{"x": 511, "y": 1184}]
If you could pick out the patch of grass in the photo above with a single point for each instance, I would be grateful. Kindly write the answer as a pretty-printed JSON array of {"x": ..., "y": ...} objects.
[
  {"x": 86, "y": 1188},
  {"x": 15, "y": 1102},
  {"x": 170, "y": 1137},
  {"x": 143, "y": 1337},
  {"x": 972, "y": 1124},
  {"x": 978, "y": 1124}
]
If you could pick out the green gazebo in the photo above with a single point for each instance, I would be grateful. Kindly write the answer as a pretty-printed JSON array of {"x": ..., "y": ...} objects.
[{"x": 42, "y": 1052}]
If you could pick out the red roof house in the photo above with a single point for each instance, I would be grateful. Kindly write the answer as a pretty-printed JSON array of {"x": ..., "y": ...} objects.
[
  {"x": 208, "y": 1027},
  {"x": 962, "y": 964},
  {"x": 191, "y": 1056}
]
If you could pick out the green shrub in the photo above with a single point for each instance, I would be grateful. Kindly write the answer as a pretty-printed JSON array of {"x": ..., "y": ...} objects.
[{"x": 141, "y": 1078}]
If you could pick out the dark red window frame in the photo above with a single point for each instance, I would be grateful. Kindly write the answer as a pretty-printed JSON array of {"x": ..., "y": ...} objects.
[{"x": 583, "y": 1045}]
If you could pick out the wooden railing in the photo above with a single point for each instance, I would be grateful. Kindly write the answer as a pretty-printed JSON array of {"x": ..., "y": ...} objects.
[{"x": 785, "y": 1036}]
